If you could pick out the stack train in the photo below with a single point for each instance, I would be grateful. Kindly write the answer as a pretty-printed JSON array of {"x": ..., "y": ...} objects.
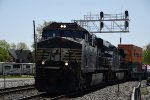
[{"x": 70, "y": 58}]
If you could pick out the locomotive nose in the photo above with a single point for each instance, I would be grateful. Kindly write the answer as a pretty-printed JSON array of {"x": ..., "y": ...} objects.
[{"x": 60, "y": 42}]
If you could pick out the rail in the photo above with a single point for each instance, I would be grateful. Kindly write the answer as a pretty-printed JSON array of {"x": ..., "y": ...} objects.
[
  {"x": 16, "y": 89},
  {"x": 32, "y": 96},
  {"x": 136, "y": 94}
]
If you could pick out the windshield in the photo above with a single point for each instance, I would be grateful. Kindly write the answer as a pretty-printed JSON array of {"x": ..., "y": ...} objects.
[{"x": 63, "y": 33}]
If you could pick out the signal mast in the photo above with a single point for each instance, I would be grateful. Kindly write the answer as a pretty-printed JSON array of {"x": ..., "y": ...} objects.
[{"x": 105, "y": 23}]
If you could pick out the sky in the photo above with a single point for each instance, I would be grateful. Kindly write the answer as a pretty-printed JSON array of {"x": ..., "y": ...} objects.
[{"x": 16, "y": 18}]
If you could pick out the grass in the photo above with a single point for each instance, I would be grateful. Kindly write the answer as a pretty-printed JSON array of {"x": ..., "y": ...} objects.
[
  {"x": 17, "y": 76},
  {"x": 144, "y": 91}
]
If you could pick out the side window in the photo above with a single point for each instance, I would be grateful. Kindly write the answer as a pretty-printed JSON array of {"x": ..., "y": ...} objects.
[
  {"x": 27, "y": 66},
  {"x": 93, "y": 40},
  {"x": 7, "y": 67},
  {"x": 86, "y": 37},
  {"x": 16, "y": 66}
]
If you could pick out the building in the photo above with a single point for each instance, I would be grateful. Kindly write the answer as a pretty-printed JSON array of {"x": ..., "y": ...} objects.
[{"x": 20, "y": 56}]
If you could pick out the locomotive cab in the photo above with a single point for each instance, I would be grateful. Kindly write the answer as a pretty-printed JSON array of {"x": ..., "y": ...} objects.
[{"x": 59, "y": 58}]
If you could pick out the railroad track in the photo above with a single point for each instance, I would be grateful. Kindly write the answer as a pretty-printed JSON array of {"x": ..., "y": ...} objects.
[
  {"x": 43, "y": 95},
  {"x": 37, "y": 96},
  {"x": 91, "y": 89},
  {"x": 32, "y": 96},
  {"x": 68, "y": 95},
  {"x": 16, "y": 89}
]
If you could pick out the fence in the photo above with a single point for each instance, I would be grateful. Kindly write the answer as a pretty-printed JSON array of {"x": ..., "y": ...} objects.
[
  {"x": 136, "y": 94},
  {"x": 9, "y": 68}
]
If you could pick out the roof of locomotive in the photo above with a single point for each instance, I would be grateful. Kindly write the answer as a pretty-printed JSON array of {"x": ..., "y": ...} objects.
[
  {"x": 105, "y": 44},
  {"x": 64, "y": 26},
  {"x": 56, "y": 29}
]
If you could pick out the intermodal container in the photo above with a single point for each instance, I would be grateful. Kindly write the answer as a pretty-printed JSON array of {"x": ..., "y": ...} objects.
[{"x": 134, "y": 53}]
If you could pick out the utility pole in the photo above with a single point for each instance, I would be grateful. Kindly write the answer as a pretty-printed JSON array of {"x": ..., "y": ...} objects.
[
  {"x": 120, "y": 39},
  {"x": 118, "y": 81},
  {"x": 35, "y": 40},
  {"x": 35, "y": 44}
]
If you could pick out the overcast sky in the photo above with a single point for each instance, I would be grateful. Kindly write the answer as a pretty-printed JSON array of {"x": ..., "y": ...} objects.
[{"x": 16, "y": 17}]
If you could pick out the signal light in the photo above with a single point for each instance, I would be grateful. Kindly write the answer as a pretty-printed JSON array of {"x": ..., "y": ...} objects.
[
  {"x": 101, "y": 25},
  {"x": 126, "y": 24},
  {"x": 126, "y": 14},
  {"x": 101, "y": 14}
]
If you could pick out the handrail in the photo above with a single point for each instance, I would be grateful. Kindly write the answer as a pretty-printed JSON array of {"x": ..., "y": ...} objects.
[{"x": 136, "y": 94}]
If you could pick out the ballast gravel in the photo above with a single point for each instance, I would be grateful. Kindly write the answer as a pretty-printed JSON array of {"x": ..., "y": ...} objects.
[
  {"x": 111, "y": 92},
  {"x": 14, "y": 82},
  {"x": 107, "y": 93}
]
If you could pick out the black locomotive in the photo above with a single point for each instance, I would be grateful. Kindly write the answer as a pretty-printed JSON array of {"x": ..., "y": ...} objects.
[{"x": 70, "y": 58}]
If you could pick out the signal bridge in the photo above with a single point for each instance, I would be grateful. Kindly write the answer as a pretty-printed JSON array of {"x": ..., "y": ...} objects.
[{"x": 105, "y": 23}]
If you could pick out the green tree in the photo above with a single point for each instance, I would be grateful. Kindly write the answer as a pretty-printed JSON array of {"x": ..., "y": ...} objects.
[
  {"x": 4, "y": 54},
  {"x": 22, "y": 45},
  {"x": 13, "y": 46},
  {"x": 4, "y": 45},
  {"x": 146, "y": 54}
]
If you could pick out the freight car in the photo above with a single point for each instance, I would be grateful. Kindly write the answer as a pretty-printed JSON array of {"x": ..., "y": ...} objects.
[
  {"x": 70, "y": 58},
  {"x": 133, "y": 60},
  {"x": 12, "y": 68}
]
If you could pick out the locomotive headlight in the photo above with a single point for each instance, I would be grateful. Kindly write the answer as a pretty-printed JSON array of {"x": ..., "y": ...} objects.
[
  {"x": 43, "y": 62},
  {"x": 62, "y": 26},
  {"x": 66, "y": 63}
]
